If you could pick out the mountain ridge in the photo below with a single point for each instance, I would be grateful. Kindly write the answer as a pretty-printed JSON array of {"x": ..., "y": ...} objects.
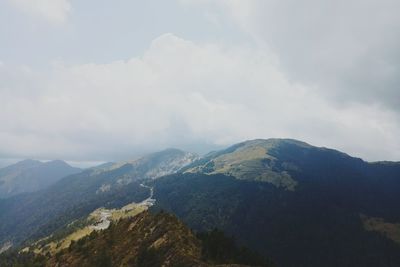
[
  {"x": 32, "y": 175},
  {"x": 321, "y": 214},
  {"x": 35, "y": 215},
  {"x": 281, "y": 197},
  {"x": 145, "y": 240}
]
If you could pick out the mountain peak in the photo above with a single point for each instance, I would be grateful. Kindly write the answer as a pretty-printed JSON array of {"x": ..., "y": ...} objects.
[
  {"x": 268, "y": 160},
  {"x": 274, "y": 142},
  {"x": 32, "y": 175},
  {"x": 58, "y": 162},
  {"x": 171, "y": 150},
  {"x": 249, "y": 160},
  {"x": 27, "y": 163}
]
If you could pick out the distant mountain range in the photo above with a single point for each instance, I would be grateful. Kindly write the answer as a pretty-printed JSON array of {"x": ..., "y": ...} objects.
[
  {"x": 32, "y": 175},
  {"x": 292, "y": 202},
  {"x": 38, "y": 214}
]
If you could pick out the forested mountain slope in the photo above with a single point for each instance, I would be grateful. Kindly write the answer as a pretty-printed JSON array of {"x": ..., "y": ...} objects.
[
  {"x": 297, "y": 204},
  {"x": 342, "y": 209}
]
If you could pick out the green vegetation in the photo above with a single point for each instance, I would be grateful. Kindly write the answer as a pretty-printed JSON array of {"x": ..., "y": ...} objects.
[
  {"x": 30, "y": 217},
  {"x": 321, "y": 216},
  {"x": 217, "y": 248},
  {"x": 247, "y": 161},
  {"x": 146, "y": 240},
  {"x": 75, "y": 231},
  {"x": 15, "y": 259},
  {"x": 390, "y": 230},
  {"x": 290, "y": 202}
]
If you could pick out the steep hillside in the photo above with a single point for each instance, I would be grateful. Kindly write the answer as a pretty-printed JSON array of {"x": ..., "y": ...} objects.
[
  {"x": 35, "y": 215},
  {"x": 144, "y": 240},
  {"x": 323, "y": 214},
  {"x": 98, "y": 220},
  {"x": 32, "y": 175}
]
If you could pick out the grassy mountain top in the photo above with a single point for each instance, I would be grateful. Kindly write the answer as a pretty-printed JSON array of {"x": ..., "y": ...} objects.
[
  {"x": 251, "y": 160},
  {"x": 321, "y": 214}
]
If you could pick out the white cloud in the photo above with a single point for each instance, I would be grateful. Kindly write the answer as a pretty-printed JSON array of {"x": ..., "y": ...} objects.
[
  {"x": 178, "y": 93},
  {"x": 348, "y": 50},
  {"x": 55, "y": 11}
]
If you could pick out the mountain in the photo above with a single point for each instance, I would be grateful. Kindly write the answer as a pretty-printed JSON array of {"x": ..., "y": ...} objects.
[
  {"x": 249, "y": 160},
  {"x": 146, "y": 240},
  {"x": 295, "y": 203},
  {"x": 32, "y": 175},
  {"x": 292, "y": 202},
  {"x": 154, "y": 165},
  {"x": 35, "y": 215}
]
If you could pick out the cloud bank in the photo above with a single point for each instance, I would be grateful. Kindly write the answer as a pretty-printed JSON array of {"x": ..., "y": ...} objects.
[
  {"x": 348, "y": 50},
  {"x": 179, "y": 93}
]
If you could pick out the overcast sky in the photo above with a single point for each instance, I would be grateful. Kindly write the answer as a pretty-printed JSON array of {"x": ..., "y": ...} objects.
[{"x": 100, "y": 80}]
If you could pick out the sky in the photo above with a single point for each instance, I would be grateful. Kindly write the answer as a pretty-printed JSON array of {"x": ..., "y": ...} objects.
[{"x": 96, "y": 80}]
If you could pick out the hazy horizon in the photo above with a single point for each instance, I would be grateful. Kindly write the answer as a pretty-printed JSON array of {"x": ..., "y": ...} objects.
[{"x": 89, "y": 164}]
